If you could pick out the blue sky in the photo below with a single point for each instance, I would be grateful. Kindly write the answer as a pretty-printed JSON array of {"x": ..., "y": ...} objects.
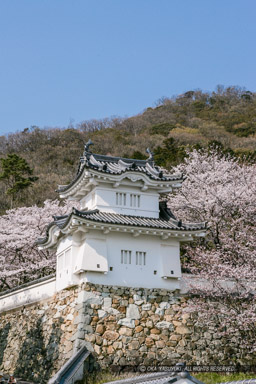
[{"x": 73, "y": 60}]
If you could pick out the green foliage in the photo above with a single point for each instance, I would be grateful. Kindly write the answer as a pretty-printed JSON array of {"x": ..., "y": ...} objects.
[
  {"x": 16, "y": 174},
  {"x": 169, "y": 154},
  {"x": 214, "y": 377},
  {"x": 138, "y": 155},
  {"x": 162, "y": 129}
]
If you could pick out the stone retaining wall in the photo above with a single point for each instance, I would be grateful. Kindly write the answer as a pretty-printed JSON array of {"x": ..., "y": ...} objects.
[
  {"x": 37, "y": 339},
  {"x": 128, "y": 326},
  {"x": 122, "y": 326}
]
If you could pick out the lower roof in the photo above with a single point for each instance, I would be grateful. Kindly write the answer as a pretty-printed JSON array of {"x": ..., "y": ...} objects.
[{"x": 166, "y": 221}]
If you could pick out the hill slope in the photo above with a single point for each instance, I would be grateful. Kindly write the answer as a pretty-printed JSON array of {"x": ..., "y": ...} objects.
[{"x": 195, "y": 119}]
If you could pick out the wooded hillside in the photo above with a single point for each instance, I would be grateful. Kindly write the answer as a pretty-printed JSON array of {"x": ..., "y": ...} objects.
[{"x": 226, "y": 118}]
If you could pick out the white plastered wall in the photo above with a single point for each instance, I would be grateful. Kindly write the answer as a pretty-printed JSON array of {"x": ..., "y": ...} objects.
[
  {"x": 27, "y": 295},
  {"x": 105, "y": 199},
  {"x": 67, "y": 251},
  {"x": 161, "y": 269}
]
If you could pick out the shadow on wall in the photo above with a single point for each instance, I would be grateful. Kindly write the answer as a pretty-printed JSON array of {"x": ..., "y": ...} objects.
[
  {"x": 3, "y": 340},
  {"x": 36, "y": 360}
]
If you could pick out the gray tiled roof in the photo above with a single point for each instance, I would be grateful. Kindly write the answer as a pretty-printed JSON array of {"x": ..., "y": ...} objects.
[
  {"x": 152, "y": 378},
  {"x": 166, "y": 220},
  {"x": 160, "y": 378},
  {"x": 117, "y": 166}
]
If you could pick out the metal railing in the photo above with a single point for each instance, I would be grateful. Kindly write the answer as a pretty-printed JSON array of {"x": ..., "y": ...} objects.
[{"x": 73, "y": 370}]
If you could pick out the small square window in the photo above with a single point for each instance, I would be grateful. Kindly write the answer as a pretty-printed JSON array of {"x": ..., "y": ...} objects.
[
  {"x": 98, "y": 265},
  {"x": 111, "y": 268},
  {"x": 155, "y": 272}
]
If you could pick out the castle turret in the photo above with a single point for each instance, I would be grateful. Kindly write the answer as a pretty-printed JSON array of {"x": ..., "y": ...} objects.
[{"x": 122, "y": 234}]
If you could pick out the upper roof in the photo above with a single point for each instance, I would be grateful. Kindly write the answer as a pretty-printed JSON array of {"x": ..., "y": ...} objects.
[
  {"x": 97, "y": 219},
  {"x": 118, "y": 165}
]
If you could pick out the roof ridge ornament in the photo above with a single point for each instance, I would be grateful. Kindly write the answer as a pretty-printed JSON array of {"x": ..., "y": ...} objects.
[
  {"x": 87, "y": 147},
  {"x": 95, "y": 162},
  {"x": 123, "y": 165},
  {"x": 153, "y": 171},
  {"x": 151, "y": 155}
]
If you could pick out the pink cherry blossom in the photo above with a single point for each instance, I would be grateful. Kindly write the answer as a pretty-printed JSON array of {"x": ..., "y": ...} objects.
[
  {"x": 221, "y": 191},
  {"x": 20, "y": 259}
]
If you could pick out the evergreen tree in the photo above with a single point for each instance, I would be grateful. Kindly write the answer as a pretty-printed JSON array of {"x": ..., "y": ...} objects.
[{"x": 16, "y": 174}]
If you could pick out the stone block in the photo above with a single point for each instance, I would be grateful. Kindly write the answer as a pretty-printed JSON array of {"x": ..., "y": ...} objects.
[
  {"x": 68, "y": 346},
  {"x": 107, "y": 302},
  {"x": 100, "y": 329},
  {"x": 177, "y": 323},
  {"x": 132, "y": 312},
  {"x": 88, "y": 329},
  {"x": 155, "y": 331},
  {"x": 164, "y": 325},
  {"x": 182, "y": 330},
  {"x": 160, "y": 344},
  {"x": 99, "y": 340},
  {"x": 146, "y": 307},
  {"x": 110, "y": 335},
  {"x": 159, "y": 311},
  {"x": 143, "y": 349},
  {"x": 164, "y": 305},
  {"x": 130, "y": 323},
  {"x": 134, "y": 345},
  {"x": 182, "y": 343},
  {"x": 149, "y": 342},
  {"x": 69, "y": 317},
  {"x": 141, "y": 339},
  {"x": 111, "y": 311},
  {"x": 117, "y": 345},
  {"x": 125, "y": 331},
  {"x": 97, "y": 349},
  {"x": 149, "y": 324},
  {"x": 79, "y": 319},
  {"x": 101, "y": 313},
  {"x": 175, "y": 337},
  {"x": 139, "y": 302},
  {"x": 80, "y": 334}
]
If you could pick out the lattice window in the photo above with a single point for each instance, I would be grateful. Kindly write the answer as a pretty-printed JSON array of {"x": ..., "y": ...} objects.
[
  {"x": 140, "y": 258},
  {"x": 134, "y": 200},
  {"x": 120, "y": 198},
  {"x": 126, "y": 256}
]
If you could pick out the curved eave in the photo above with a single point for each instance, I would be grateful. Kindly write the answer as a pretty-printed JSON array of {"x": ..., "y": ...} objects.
[
  {"x": 82, "y": 181},
  {"x": 75, "y": 223}
]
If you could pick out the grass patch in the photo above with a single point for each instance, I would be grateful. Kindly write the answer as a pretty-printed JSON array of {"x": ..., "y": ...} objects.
[{"x": 214, "y": 378}]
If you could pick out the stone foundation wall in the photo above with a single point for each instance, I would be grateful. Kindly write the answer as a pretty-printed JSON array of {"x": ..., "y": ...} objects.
[
  {"x": 128, "y": 326},
  {"x": 122, "y": 326},
  {"x": 36, "y": 340}
]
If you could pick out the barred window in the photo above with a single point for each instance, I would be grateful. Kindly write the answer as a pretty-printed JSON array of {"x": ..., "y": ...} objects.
[
  {"x": 140, "y": 258},
  {"x": 126, "y": 256},
  {"x": 120, "y": 198},
  {"x": 134, "y": 200}
]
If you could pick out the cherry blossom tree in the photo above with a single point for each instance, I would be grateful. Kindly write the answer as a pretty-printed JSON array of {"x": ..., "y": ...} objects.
[
  {"x": 20, "y": 259},
  {"x": 221, "y": 191}
]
